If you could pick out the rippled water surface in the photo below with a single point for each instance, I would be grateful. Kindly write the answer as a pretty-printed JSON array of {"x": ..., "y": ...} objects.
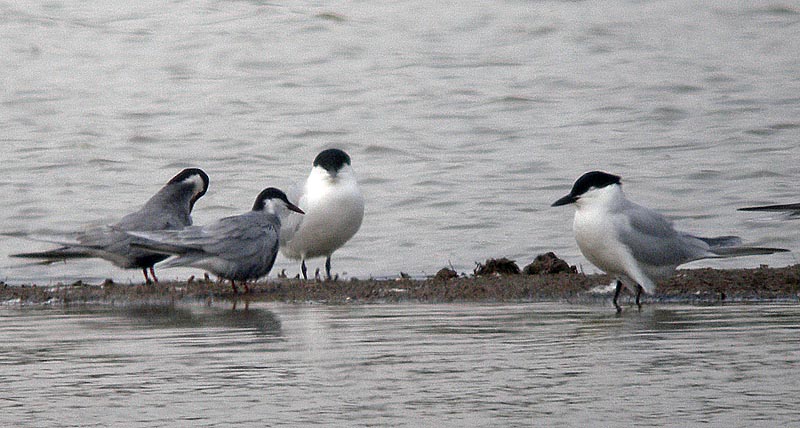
[
  {"x": 464, "y": 121},
  {"x": 400, "y": 365}
]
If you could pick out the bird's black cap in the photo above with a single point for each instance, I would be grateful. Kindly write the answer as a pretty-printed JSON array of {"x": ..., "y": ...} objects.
[
  {"x": 189, "y": 172},
  {"x": 592, "y": 179},
  {"x": 273, "y": 193},
  {"x": 185, "y": 175},
  {"x": 332, "y": 159}
]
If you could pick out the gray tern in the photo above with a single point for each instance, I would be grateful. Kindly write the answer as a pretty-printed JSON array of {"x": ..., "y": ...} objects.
[
  {"x": 632, "y": 243},
  {"x": 334, "y": 210},
  {"x": 237, "y": 248},
  {"x": 170, "y": 208}
]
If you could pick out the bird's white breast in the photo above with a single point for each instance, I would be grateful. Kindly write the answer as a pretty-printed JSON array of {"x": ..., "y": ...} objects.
[
  {"x": 334, "y": 209},
  {"x": 598, "y": 242}
]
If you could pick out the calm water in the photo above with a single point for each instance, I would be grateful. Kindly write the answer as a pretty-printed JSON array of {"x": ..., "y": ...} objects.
[
  {"x": 400, "y": 365},
  {"x": 464, "y": 121}
]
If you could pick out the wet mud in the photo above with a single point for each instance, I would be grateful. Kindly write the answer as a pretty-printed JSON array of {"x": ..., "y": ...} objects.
[{"x": 497, "y": 280}]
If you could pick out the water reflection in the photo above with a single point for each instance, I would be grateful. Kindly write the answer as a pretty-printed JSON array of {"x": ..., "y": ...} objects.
[
  {"x": 235, "y": 316},
  {"x": 390, "y": 365}
]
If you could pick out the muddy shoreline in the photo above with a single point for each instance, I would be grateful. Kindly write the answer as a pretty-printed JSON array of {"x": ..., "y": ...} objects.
[{"x": 708, "y": 286}]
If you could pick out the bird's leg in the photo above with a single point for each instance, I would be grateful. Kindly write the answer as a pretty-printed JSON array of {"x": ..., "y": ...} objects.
[
  {"x": 246, "y": 288},
  {"x": 303, "y": 268},
  {"x": 153, "y": 274},
  {"x": 328, "y": 268},
  {"x": 146, "y": 278},
  {"x": 638, "y": 294},
  {"x": 233, "y": 285},
  {"x": 616, "y": 294}
]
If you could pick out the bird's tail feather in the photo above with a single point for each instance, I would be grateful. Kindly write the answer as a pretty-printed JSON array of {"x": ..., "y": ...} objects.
[
  {"x": 730, "y": 246},
  {"x": 746, "y": 251},
  {"x": 57, "y": 254},
  {"x": 70, "y": 248}
]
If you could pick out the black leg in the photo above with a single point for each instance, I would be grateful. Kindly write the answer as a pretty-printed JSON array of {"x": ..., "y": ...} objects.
[
  {"x": 153, "y": 274},
  {"x": 616, "y": 295},
  {"x": 146, "y": 278},
  {"x": 303, "y": 269},
  {"x": 638, "y": 294},
  {"x": 328, "y": 268}
]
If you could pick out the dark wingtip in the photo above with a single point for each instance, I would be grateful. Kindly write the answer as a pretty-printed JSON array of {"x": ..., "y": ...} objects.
[{"x": 779, "y": 207}]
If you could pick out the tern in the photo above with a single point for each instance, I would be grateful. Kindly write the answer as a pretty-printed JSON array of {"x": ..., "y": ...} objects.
[
  {"x": 334, "y": 210},
  {"x": 632, "y": 243},
  {"x": 170, "y": 208},
  {"x": 237, "y": 248}
]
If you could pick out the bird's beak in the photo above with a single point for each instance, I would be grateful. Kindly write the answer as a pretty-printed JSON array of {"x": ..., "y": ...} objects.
[
  {"x": 294, "y": 208},
  {"x": 564, "y": 201}
]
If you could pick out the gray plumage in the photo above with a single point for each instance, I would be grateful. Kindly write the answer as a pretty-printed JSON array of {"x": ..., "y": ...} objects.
[
  {"x": 237, "y": 248},
  {"x": 653, "y": 240},
  {"x": 169, "y": 208}
]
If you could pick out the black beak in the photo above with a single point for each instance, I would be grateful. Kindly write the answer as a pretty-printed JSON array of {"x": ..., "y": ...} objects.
[
  {"x": 294, "y": 207},
  {"x": 564, "y": 201}
]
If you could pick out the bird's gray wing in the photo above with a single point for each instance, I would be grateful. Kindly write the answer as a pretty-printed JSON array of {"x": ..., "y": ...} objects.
[
  {"x": 169, "y": 208},
  {"x": 248, "y": 244},
  {"x": 229, "y": 238},
  {"x": 242, "y": 237},
  {"x": 653, "y": 240},
  {"x": 103, "y": 242},
  {"x": 155, "y": 217},
  {"x": 147, "y": 220},
  {"x": 114, "y": 245},
  {"x": 106, "y": 237},
  {"x": 175, "y": 242}
]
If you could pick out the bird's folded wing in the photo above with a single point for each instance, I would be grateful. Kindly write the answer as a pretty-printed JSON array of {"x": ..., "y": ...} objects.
[{"x": 653, "y": 241}]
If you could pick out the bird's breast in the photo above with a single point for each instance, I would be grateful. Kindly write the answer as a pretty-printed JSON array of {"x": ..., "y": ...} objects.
[{"x": 599, "y": 243}]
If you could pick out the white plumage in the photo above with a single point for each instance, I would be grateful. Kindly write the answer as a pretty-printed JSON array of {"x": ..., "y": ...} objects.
[{"x": 333, "y": 206}]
